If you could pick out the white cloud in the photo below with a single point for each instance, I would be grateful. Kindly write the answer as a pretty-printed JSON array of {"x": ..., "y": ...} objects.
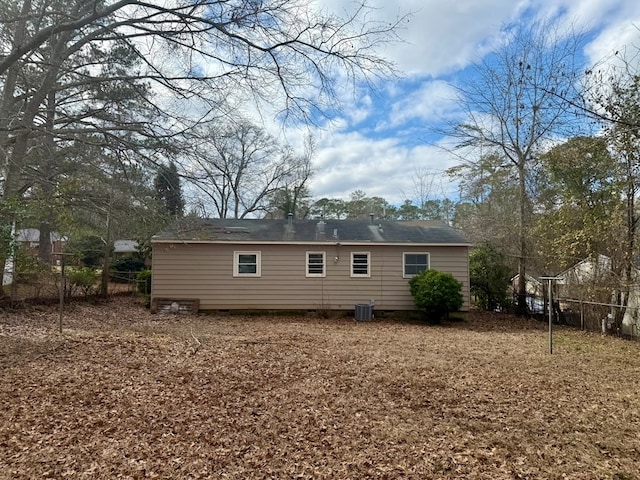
[
  {"x": 442, "y": 37},
  {"x": 350, "y": 161},
  {"x": 623, "y": 38},
  {"x": 375, "y": 147},
  {"x": 377, "y": 143},
  {"x": 433, "y": 101}
]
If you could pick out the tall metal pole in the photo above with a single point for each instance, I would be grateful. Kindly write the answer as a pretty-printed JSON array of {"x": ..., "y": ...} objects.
[
  {"x": 62, "y": 288},
  {"x": 550, "y": 295},
  {"x": 550, "y": 320}
]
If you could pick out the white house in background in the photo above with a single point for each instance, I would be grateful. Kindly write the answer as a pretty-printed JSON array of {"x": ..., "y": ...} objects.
[
  {"x": 588, "y": 270},
  {"x": 533, "y": 286},
  {"x": 534, "y": 290},
  {"x": 597, "y": 271}
]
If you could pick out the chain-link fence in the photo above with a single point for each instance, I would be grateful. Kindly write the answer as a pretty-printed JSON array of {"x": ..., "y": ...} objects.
[
  {"x": 45, "y": 286},
  {"x": 611, "y": 318},
  {"x": 603, "y": 317}
]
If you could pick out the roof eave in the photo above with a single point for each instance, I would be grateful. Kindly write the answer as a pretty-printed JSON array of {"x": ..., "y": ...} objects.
[{"x": 311, "y": 242}]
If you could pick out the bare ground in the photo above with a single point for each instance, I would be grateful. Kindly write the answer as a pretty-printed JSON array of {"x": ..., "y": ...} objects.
[{"x": 122, "y": 393}]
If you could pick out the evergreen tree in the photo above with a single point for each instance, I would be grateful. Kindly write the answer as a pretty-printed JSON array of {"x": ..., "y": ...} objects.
[
  {"x": 489, "y": 276},
  {"x": 168, "y": 190}
]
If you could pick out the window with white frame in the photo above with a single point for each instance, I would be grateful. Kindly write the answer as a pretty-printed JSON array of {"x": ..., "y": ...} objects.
[
  {"x": 360, "y": 264},
  {"x": 246, "y": 264},
  {"x": 414, "y": 263},
  {"x": 316, "y": 264}
]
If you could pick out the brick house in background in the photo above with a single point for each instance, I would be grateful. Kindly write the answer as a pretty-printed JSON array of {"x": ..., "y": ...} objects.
[{"x": 29, "y": 240}]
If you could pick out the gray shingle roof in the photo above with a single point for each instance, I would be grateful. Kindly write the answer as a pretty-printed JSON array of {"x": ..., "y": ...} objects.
[
  {"x": 312, "y": 231},
  {"x": 33, "y": 235},
  {"x": 125, "y": 246}
]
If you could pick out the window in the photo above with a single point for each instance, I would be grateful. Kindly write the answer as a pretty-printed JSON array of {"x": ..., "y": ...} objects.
[
  {"x": 246, "y": 264},
  {"x": 415, "y": 263},
  {"x": 315, "y": 264},
  {"x": 360, "y": 264}
]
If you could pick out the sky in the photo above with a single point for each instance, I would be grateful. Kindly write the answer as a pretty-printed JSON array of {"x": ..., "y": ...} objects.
[{"x": 386, "y": 139}]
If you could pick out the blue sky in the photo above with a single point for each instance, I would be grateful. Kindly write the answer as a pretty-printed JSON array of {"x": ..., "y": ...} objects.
[{"x": 385, "y": 139}]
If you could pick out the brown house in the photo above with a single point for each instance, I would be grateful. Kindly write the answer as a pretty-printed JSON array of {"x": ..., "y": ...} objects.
[
  {"x": 251, "y": 264},
  {"x": 29, "y": 241}
]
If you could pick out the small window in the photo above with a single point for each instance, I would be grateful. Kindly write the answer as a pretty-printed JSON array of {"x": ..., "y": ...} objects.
[
  {"x": 415, "y": 263},
  {"x": 316, "y": 264},
  {"x": 246, "y": 264},
  {"x": 360, "y": 265}
]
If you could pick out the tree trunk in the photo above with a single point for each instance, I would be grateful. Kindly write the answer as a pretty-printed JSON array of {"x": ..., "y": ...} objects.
[
  {"x": 45, "y": 243},
  {"x": 521, "y": 308},
  {"x": 627, "y": 274},
  {"x": 6, "y": 109},
  {"x": 45, "y": 180},
  {"x": 104, "y": 284}
]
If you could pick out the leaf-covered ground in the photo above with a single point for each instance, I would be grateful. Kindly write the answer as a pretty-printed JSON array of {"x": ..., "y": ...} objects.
[{"x": 122, "y": 393}]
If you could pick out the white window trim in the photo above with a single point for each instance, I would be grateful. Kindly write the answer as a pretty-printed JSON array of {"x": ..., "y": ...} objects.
[
  {"x": 404, "y": 262},
  {"x": 324, "y": 264},
  {"x": 360, "y": 275},
  {"x": 236, "y": 263}
]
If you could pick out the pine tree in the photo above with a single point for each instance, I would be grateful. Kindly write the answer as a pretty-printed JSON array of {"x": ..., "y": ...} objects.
[{"x": 168, "y": 190}]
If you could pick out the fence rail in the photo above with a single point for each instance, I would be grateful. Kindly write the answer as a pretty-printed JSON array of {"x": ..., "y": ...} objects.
[
  {"x": 597, "y": 316},
  {"x": 44, "y": 287}
]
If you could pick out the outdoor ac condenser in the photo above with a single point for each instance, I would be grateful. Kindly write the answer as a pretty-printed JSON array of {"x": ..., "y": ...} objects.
[{"x": 364, "y": 312}]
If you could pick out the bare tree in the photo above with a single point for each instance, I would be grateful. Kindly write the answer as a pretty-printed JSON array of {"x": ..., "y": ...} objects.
[
  {"x": 279, "y": 51},
  {"x": 423, "y": 188},
  {"x": 511, "y": 112},
  {"x": 423, "y": 199},
  {"x": 239, "y": 167},
  {"x": 293, "y": 196},
  {"x": 183, "y": 61},
  {"x": 622, "y": 103},
  {"x": 598, "y": 88}
]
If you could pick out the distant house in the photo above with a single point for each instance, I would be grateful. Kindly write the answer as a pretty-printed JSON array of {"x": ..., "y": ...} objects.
[
  {"x": 125, "y": 248},
  {"x": 533, "y": 286},
  {"x": 254, "y": 264},
  {"x": 534, "y": 290},
  {"x": 595, "y": 275},
  {"x": 589, "y": 270},
  {"x": 29, "y": 241}
]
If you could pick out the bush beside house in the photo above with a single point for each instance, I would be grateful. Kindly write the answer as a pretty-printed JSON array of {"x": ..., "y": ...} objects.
[{"x": 436, "y": 293}]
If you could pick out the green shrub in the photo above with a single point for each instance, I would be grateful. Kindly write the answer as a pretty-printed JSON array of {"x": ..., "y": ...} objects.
[
  {"x": 29, "y": 268},
  {"x": 83, "y": 279},
  {"x": 144, "y": 281},
  {"x": 436, "y": 293},
  {"x": 125, "y": 269}
]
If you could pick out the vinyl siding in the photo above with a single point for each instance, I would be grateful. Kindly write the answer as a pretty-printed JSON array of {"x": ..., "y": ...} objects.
[{"x": 205, "y": 271}]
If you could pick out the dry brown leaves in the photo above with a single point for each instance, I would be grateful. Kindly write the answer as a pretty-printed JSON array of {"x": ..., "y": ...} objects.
[{"x": 124, "y": 394}]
